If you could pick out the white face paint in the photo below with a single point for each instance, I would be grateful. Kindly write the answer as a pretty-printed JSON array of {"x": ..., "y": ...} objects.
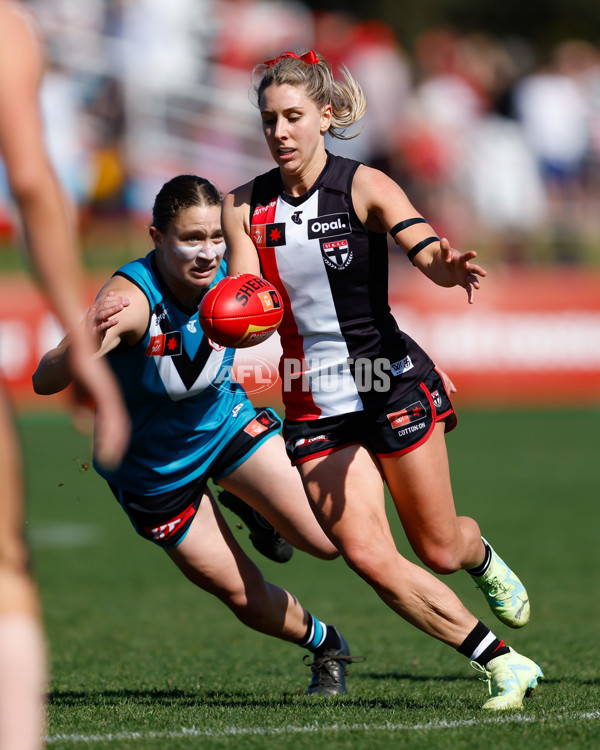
[
  {"x": 190, "y": 249},
  {"x": 207, "y": 250}
]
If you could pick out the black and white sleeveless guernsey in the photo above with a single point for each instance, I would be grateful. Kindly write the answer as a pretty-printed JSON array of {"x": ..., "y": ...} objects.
[{"x": 342, "y": 349}]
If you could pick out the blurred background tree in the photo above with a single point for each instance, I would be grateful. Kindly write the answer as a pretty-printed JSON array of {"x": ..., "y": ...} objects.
[{"x": 543, "y": 24}]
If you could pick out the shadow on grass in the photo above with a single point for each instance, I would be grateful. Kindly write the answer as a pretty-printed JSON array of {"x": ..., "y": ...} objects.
[
  {"x": 398, "y": 698},
  {"x": 179, "y": 699},
  {"x": 409, "y": 676}
]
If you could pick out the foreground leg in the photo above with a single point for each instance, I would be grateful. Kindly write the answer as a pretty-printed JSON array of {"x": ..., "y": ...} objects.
[
  {"x": 211, "y": 558},
  {"x": 419, "y": 483},
  {"x": 22, "y": 657},
  {"x": 346, "y": 492}
]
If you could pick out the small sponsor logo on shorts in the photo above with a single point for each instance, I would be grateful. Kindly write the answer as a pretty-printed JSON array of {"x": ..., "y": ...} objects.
[
  {"x": 407, "y": 416},
  {"x": 402, "y": 366},
  {"x": 168, "y": 528},
  {"x": 261, "y": 423},
  {"x": 236, "y": 409},
  {"x": 307, "y": 441},
  {"x": 411, "y": 428},
  {"x": 437, "y": 399}
]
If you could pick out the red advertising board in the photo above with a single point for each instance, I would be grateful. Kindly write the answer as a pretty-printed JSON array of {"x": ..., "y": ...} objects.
[{"x": 530, "y": 337}]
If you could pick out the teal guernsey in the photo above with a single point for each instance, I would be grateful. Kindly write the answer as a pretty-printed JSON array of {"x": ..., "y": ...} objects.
[{"x": 183, "y": 403}]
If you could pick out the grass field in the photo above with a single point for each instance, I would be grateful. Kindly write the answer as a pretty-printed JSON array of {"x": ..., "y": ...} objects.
[{"x": 142, "y": 659}]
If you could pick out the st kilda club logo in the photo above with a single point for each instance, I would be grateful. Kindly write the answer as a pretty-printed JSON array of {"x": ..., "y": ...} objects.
[{"x": 336, "y": 253}]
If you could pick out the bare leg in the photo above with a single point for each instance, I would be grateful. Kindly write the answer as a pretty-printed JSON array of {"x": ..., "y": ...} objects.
[
  {"x": 211, "y": 558},
  {"x": 22, "y": 657},
  {"x": 268, "y": 482},
  {"x": 346, "y": 493},
  {"x": 419, "y": 483}
]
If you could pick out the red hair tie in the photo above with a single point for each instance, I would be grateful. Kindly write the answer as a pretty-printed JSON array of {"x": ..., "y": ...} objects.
[{"x": 309, "y": 57}]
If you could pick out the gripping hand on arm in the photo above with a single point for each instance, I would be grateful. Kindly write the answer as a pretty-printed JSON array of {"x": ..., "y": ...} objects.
[{"x": 83, "y": 362}]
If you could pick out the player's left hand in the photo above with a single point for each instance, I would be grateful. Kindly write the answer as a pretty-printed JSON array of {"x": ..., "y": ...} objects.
[
  {"x": 101, "y": 315},
  {"x": 459, "y": 266},
  {"x": 447, "y": 380}
]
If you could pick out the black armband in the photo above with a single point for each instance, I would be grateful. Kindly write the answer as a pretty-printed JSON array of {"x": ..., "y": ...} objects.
[
  {"x": 419, "y": 246},
  {"x": 405, "y": 224}
]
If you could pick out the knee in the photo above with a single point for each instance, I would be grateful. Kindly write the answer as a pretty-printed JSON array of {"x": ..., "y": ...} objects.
[
  {"x": 248, "y": 608},
  {"x": 327, "y": 554},
  {"x": 18, "y": 592},
  {"x": 373, "y": 566},
  {"x": 441, "y": 559},
  {"x": 14, "y": 555}
]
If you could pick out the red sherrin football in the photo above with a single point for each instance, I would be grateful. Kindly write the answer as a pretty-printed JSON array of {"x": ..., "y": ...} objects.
[{"x": 240, "y": 311}]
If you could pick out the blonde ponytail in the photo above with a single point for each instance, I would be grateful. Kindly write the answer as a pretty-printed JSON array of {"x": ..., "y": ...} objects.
[{"x": 347, "y": 99}]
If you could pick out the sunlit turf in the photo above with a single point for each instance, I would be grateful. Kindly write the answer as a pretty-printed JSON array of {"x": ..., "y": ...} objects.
[{"x": 142, "y": 659}]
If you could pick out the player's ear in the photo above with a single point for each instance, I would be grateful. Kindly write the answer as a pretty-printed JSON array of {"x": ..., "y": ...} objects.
[
  {"x": 326, "y": 114},
  {"x": 155, "y": 235}
]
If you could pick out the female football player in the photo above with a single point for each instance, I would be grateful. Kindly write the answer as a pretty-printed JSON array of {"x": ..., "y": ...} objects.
[
  {"x": 365, "y": 405},
  {"x": 191, "y": 421}
]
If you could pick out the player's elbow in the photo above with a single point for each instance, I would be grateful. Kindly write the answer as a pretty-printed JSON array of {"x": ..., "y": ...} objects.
[
  {"x": 45, "y": 385},
  {"x": 40, "y": 386},
  {"x": 31, "y": 180},
  {"x": 24, "y": 180}
]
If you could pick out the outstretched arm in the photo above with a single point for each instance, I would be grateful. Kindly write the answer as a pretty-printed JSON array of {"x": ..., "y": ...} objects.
[
  {"x": 53, "y": 373},
  {"x": 448, "y": 267},
  {"x": 384, "y": 207}
]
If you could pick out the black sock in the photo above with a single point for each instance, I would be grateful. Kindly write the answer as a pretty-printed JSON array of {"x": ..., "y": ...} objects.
[
  {"x": 481, "y": 645},
  {"x": 480, "y": 569},
  {"x": 332, "y": 640},
  {"x": 261, "y": 520},
  {"x": 319, "y": 636}
]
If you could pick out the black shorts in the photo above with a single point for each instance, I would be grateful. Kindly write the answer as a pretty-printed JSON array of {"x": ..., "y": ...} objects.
[
  {"x": 400, "y": 428},
  {"x": 165, "y": 518}
]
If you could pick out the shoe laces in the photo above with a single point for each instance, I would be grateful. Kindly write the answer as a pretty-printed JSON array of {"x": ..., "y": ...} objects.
[
  {"x": 495, "y": 586},
  {"x": 325, "y": 664},
  {"x": 487, "y": 674}
]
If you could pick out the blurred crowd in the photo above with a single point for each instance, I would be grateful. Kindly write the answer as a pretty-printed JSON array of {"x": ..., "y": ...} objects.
[{"x": 495, "y": 141}]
